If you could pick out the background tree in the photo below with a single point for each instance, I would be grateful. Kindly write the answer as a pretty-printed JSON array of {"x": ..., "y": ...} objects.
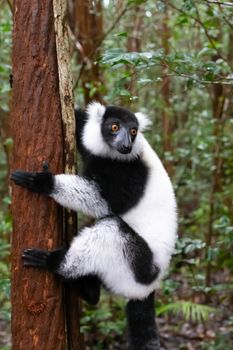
[{"x": 86, "y": 22}]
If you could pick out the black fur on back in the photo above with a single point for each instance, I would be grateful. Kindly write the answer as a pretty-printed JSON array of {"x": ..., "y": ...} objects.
[{"x": 80, "y": 120}]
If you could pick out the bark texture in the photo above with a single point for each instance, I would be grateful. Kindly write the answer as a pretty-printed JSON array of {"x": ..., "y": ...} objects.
[
  {"x": 74, "y": 338},
  {"x": 38, "y": 320}
]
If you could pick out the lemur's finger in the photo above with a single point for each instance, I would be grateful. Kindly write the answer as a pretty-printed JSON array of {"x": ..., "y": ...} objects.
[
  {"x": 22, "y": 178},
  {"x": 45, "y": 166},
  {"x": 39, "y": 253}
]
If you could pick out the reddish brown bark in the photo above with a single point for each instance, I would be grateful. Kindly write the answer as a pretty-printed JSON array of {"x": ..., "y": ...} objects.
[
  {"x": 89, "y": 32},
  {"x": 74, "y": 338},
  {"x": 38, "y": 320},
  {"x": 135, "y": 30}
]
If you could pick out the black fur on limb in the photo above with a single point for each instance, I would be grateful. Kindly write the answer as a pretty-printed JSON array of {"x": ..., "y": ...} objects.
[{"x": 142, "y": 328}]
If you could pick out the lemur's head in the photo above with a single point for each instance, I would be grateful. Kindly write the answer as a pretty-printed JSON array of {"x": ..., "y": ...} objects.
[
  {"x": 113, "y": 132},
  {"x": 119, "y": 129}
]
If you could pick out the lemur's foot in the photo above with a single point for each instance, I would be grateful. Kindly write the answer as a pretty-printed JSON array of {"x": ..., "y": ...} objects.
[
  {"x": 42, "y": 182},
  {"x": 35, "y": 258},
  {"x": 44, "y": 259}
]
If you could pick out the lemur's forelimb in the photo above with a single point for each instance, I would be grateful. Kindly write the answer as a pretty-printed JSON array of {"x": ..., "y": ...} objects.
[
  {"x": 79, "y": 193},
  {"x": 71, "y": 191}
]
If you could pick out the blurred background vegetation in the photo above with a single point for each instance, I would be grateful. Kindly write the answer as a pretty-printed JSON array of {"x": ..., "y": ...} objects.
[{"x": 172, "y": 60}]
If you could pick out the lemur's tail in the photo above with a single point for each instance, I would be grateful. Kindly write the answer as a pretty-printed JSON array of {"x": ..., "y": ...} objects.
[{"x": 142, "y": 329}]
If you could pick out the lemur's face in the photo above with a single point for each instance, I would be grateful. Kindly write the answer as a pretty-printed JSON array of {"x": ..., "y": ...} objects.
[{"x": 119, "y": 129}]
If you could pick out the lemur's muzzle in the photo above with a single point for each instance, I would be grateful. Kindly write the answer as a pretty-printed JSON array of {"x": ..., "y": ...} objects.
[{"x": 124, "y": 142}]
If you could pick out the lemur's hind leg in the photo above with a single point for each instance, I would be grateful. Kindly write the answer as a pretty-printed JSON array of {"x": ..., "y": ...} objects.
[
  {"x": 111, "y": 250},
  {"x": 88, "y": 287}
]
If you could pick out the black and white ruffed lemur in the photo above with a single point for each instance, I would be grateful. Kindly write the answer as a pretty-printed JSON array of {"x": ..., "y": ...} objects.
[{"x": 126, "y": 188}]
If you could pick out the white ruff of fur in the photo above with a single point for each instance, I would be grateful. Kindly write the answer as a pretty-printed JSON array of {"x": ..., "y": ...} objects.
[
  {"x": 143, "y": 120},
  {"x": 93, "y": 139}
]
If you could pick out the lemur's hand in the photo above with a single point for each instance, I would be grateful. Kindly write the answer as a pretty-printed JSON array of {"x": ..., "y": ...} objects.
[{"x": 42, "y": 182}]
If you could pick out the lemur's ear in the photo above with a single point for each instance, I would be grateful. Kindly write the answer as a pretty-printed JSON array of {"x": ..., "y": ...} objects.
[
  {"x": 95, "y": 110},
  {"x": 143, "y": 121}
]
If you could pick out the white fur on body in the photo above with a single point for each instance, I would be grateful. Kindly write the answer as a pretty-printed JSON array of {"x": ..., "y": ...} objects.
[
  {"x": 155, "y": 216},
  {"x": 99, "y": 249}
]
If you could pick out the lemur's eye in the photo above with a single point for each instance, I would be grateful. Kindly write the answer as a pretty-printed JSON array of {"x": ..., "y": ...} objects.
[
  {"x": 133, "y": 132},
  {"x": 114, "y": 127}
]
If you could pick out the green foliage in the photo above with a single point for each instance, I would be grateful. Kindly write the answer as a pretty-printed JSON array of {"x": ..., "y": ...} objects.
[
  {"x": 5, "y": 228},
  {"x": 190, "y": 311},
  {"x": 190, "y": 66},
  {"x": 104, "y": 322},
  {"x": 222, "y": 341},
  {"x": 5, "y": 145},
  {"x": 5, "y": 44},
  {"x": 188, "y": 245}
]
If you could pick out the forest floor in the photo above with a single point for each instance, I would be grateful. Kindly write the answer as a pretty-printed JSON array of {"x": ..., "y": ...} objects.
[
  {"x": 175, "y": 334},
  {"x": 216, "y": 335}
]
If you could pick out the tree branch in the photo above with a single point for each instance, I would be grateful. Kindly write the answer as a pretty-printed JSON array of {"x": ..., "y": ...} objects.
[
  {"x": 223, "y": 3},
  {"x": 10, "y": 3}
]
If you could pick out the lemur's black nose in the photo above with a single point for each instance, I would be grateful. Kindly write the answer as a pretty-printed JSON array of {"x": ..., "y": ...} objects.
[{"x": 126, "y": 148}]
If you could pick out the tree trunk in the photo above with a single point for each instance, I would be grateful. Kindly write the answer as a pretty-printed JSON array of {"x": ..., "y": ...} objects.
[
  {"x": 165, "y": 91},
  {"x": 135, "y": 30},
  {"x": 216, "y": 181},
  {"x": 88, "y": 32},
  {"x": 38, "y": 318}
]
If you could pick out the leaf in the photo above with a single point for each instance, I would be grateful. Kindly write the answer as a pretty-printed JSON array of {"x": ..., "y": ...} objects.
[
  {"x": 190, "y": 311},
  {"x": 136, "y": 2},
  {"x": 188, "y": 5},
  {"x": 161, "y": 6},
  {"x": 122, "y": 34},
  {"x": 182, "y": 19}
]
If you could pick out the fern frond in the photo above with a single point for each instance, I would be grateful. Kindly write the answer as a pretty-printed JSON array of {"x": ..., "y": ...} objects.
[{"x": 189, "y": 310}]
